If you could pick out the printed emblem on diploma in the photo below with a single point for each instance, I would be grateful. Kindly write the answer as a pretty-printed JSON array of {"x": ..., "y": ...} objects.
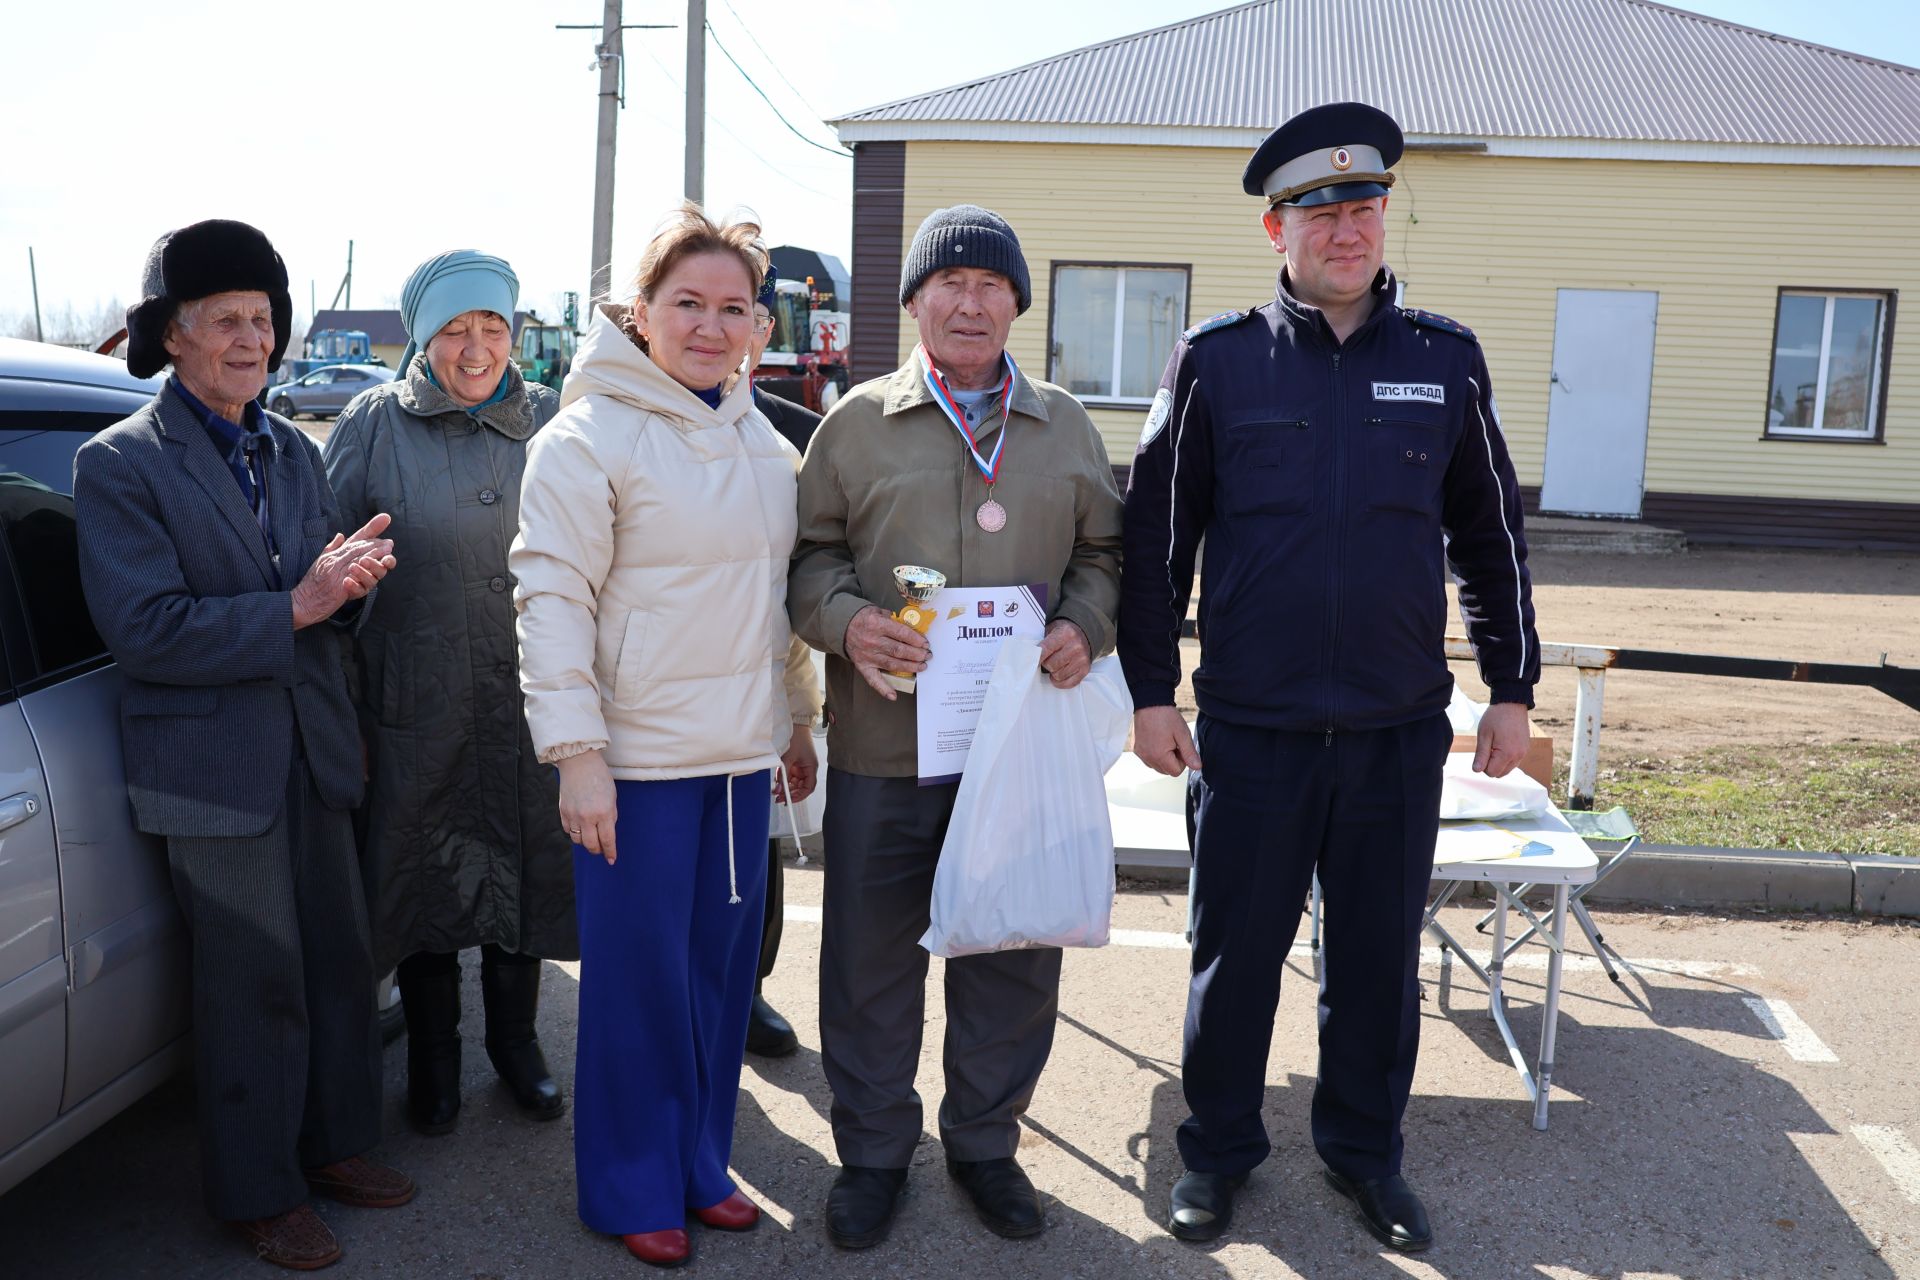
[{"x": 969, "y": 626}]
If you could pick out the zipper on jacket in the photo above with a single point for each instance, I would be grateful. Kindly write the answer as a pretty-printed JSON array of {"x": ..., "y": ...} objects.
[{"x": 1337, "y": 523}]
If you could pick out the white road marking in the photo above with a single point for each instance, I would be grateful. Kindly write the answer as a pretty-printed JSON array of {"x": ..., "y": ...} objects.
[
  {"x": 1788, "y": 1027},
  {"x": 1150, "y": 938},
  {"x": 1899, "y": 1157},
  {"x": 1533, "y": 958}
]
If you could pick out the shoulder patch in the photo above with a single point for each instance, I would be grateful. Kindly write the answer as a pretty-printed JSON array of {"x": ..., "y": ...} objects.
[
  {"x": 1226, "y": 319},
  {"x": 1156, "y": 418},
  {"x": 1428, "y": 320}
]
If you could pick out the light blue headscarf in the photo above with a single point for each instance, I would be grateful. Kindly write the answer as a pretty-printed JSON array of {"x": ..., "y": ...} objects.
[{"x": 450, "y": 285}]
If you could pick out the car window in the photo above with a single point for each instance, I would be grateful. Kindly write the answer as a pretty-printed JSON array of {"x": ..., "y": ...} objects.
[
  {"x": 349, "y": 375},
  {"x": 37, "y": 533},
  {"x": 321, "y": 378}
]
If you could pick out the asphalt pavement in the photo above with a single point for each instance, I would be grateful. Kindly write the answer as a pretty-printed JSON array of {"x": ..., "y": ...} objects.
[{"x": 1742, "y": 1107}]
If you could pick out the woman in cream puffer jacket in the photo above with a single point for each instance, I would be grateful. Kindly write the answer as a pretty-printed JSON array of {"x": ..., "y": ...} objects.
[{"x": 656, "y": 520}]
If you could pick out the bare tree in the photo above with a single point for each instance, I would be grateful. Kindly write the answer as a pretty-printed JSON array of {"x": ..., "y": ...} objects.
[{"x": 67, "y": 325}]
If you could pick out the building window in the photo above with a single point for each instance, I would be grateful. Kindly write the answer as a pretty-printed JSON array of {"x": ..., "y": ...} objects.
[
  {"x": 1830, "y": 365},
  {"x": 1113, "y": 327}
]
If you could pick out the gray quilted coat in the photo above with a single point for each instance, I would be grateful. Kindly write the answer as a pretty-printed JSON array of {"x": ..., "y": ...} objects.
[{"x": 461, "y": 840}]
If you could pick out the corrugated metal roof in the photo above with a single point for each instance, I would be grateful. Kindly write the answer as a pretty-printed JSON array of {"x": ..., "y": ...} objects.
[{"x": 1599, "y": 69}]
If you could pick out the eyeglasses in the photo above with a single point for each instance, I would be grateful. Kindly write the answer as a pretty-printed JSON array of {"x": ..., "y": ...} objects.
[{"x": 762, "y": 321}]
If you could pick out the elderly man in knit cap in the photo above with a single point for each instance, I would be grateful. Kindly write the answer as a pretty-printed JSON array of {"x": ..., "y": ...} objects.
[
  {"x": 215, "y": 568},
  {"x": 461, "y": 845},
  {"x": 959, "y": 462}
]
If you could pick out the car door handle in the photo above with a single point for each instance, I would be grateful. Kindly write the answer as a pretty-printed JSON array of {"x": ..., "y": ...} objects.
[{"x": 15, "y": 810}]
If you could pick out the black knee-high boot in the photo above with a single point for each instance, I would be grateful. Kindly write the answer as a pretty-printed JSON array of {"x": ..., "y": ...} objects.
[
  {"x": 511, "y": 986},
  {"x": 430, "y": 998}
]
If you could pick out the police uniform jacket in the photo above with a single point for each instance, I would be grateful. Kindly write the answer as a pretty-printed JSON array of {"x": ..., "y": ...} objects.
[{"x": 1329, "y": 481}]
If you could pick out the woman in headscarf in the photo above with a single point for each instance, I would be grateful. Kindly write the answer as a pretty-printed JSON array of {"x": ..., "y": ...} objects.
[
  {"x": 656, "y": 523},
  {"x": 459, "y": 847}
]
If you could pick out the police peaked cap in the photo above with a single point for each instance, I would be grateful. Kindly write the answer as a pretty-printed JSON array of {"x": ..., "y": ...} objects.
[
  {"x": 215, "y": 256},
  {"x": 1340, "y": 151}
]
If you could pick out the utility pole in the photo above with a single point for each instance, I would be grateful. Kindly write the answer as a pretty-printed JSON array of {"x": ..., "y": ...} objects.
[
  {"x": 610, "y": 58},
  {"x": 33, "y": 272},
  {"x": 346, "y": 282},
  {"x": 697, "y": 101},
  {"x": 611, "y": 54}
]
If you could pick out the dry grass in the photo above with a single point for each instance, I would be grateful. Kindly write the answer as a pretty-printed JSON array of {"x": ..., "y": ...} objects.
[{"x": 1850, "y": 797}]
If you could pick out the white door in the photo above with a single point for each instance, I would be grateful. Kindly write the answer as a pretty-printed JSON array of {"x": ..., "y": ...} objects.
[{"x": 1597, "y": 405}]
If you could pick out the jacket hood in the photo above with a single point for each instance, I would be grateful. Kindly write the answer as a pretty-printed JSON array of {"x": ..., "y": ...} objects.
[
  {"x": 610, "y": 363},
  {"x": 511, "y": 416}
]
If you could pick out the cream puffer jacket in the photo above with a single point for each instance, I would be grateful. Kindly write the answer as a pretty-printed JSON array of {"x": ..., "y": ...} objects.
[{"x": 651, "y": 573}]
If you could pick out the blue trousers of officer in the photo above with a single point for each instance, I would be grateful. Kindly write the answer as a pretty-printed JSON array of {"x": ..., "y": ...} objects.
[
  {"x": 1268, "y": 809},
  {"x": 667, "y": 966}
]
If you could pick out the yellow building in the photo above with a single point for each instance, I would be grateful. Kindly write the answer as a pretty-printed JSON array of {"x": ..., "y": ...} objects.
[{"x": 1681, "y": 242}]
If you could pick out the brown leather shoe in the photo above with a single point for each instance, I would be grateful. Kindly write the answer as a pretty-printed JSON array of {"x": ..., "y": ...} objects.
[
  {"x": 297, "y": 1240},
  {"x": 361, "y": 1183}
]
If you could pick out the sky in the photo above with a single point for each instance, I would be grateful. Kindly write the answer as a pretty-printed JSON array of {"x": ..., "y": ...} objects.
[{"x": 471, "y": 124}]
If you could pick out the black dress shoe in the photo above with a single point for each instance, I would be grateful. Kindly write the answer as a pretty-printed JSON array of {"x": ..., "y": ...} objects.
[
  {"x": 768, "y": 1034},
  {"x": 860, "y": 1206},
  {"x": 1002, "y": 1195},
  {"x": 1202, "y": 1204},
  {"x": 1391, "y": 1211}
]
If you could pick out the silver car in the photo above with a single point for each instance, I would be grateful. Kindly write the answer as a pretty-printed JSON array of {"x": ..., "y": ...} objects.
[
  {"x": 95, "y": 1005},
  {"x": 326, "y": 390}
]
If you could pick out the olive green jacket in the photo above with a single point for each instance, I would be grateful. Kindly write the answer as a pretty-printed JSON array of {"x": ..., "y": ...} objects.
[{"x": 888, "y": 481}]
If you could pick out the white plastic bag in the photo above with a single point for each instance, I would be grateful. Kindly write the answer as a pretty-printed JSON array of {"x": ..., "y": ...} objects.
[
  {"x": 1028, "y": 858},
  {"x": 1466, "y": 794}
]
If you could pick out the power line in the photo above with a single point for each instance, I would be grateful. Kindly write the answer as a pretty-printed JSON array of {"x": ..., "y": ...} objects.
[
  {"x": 835, "y": 151},
  {"x": 746, "y": 146},
  {"x": 769, "y": 57}
]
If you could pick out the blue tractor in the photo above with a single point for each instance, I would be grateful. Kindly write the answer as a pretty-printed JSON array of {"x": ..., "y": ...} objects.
[{"x": 330, "y": 346}]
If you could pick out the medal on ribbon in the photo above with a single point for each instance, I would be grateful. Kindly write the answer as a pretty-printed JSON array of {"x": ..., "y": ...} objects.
[{"x": 991, "y": 516}]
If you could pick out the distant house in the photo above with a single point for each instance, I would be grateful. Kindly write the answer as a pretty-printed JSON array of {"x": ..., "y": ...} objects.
[
  {"x": 1682, "y": 242},
  {"x": 388, "y": 335}
]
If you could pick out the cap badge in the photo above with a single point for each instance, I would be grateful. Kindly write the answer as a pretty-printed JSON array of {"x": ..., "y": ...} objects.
[{"x": 1342, "y": 159}]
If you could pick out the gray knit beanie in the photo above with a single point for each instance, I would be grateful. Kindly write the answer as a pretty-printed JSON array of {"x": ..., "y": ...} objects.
[{"x": 965, "y": 236}]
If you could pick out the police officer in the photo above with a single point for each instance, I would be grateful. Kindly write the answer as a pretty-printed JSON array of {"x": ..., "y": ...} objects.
[{"x": 1328, "y": 449}]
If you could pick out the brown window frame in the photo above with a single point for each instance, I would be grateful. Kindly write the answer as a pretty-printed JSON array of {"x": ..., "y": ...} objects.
[{"x": 1890, "y": 298}]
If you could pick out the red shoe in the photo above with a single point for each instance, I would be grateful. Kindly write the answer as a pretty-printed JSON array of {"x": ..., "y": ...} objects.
[
  {"x": 659, "y": 1248},
  {"x": 735, "y": 1213}
]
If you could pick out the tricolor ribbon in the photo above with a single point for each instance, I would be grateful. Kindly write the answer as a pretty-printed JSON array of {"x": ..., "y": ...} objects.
[{"x": 942, "y": 396}]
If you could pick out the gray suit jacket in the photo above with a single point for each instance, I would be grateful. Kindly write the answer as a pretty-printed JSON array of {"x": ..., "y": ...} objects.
[{"x": 179, "y": 582}]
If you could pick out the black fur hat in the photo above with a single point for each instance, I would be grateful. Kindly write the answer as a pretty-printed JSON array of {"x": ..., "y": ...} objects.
[{"x": 215, "y": 256}]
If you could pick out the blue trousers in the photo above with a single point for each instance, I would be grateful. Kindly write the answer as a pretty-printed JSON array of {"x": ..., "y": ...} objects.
[
  {"x": 667, "y": 967},
  {"x": 1269, "y": 809}
]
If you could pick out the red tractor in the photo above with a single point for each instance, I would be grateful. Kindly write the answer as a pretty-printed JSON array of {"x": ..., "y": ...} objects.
[{"x": 806, "y": 358}]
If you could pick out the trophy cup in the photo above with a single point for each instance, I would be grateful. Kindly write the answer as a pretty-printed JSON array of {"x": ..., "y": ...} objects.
[{"x": 919, "y": 586}]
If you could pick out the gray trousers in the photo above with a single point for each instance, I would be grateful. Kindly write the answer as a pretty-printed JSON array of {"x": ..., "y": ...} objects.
[
  {"x": 883, "y": 839},
  {"x": 286, "y": 1040}
]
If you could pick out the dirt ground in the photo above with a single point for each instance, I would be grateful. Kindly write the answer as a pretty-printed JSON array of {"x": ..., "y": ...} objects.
[{"x": 1796, "y": 605}]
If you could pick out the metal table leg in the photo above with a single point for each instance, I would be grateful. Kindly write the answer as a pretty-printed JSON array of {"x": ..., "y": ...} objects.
[{"x": 1550, "y": 1016}]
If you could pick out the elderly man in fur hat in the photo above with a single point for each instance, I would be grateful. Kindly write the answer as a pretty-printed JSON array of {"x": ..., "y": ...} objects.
[{"x": 215, "y": 569}]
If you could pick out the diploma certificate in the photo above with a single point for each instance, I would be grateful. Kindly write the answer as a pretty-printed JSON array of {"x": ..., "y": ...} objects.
[{"x": 969, "y": 626}]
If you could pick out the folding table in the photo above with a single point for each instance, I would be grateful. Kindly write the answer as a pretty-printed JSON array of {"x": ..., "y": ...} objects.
[
  {"x": 1559, "y": 858},
  {"x": 1614, "y": 825},
  {"x": 1149, "y": 823}
]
